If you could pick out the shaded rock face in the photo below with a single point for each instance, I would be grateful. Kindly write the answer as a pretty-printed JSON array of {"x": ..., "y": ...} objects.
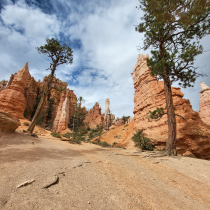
[
  {"x": 204, "y": 109},
  {"x": 8, "y": 123},
  {"x": 193, "y": 136},
  {"x": 12, "y": 99},
  {"x": 30, "y": 92},
  {"x": 94, "y": 116}
]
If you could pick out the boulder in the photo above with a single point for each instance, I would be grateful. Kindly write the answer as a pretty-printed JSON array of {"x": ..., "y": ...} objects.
[
  {"x": 8, "y": 123},
  {"x": 192, "y": 134}
]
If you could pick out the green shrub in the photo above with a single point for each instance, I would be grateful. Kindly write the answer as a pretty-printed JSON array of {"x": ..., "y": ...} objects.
[
  {"x": 102, "y": 144},
  {"x": 75, "y": 141},
  {"x": 141, "y": 141},
  {"x": 67, "y": 135},
  {"x": 56, "y": 135},
  {"x": 26, "y": 123}
]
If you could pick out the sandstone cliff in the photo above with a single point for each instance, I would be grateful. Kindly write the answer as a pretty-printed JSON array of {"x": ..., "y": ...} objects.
[
  {"x": 204, "y": 110},
  {"x": 12, "y": 99},
  {"x": 193, "y": 136}
]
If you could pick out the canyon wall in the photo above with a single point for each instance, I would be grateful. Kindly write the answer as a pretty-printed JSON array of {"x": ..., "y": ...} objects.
[
  {"x": 193, "y": 136},
  {"x": 204, "y": 108}
]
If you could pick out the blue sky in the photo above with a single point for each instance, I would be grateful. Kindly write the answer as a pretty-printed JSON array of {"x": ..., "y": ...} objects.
[{"x": 102, "y": 36}]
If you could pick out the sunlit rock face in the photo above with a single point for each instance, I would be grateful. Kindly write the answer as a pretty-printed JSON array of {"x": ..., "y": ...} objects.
[
  {"x": 204, "y": 110},
  {"x": 193, "y": 136},
  {"x": 94, "y": 116},
  {"x": 64, "y": 111},
  {"x": 12, "y": 99}
]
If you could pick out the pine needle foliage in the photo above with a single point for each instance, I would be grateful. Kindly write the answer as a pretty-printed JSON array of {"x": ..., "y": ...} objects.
[{"x": 141, "y": 141}]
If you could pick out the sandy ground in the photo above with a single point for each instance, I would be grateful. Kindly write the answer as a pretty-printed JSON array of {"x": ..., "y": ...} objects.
[{"x": 92, "y": 177}]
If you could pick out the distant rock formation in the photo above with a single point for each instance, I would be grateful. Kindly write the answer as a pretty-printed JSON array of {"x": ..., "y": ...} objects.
[
  {"x": 118, "y": 121},
  {"x": 94, "y": 116},
  {"x": 3, "y": 84},
  {"x": 204, "y": 110},
  {"x": 107, "y": 110},
  {"x": 8, "y": 123},
  {"x": 193, "y": 136},
  {"x": 12, "y": 99}
]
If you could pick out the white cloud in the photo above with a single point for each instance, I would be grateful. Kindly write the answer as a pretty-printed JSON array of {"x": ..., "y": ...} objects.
[{"x": 101, "y": 67}]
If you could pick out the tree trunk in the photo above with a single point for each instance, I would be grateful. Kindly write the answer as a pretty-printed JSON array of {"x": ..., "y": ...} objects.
[
  {"x": 171, "y": 143},
  {"x": 41, "y": 103}
]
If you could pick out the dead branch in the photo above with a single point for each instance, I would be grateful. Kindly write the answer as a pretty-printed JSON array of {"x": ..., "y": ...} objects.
[
  {"x": 148, "y": 81},
  {"x": 160, "y": 94},
  {"x": 180, "y": 116},
  {"x": 52, "y": 183},
  {"x": 25, "y": 183}
]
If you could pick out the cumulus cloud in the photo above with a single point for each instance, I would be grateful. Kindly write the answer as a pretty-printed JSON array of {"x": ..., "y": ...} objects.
[{"x": 102, "y": 36}]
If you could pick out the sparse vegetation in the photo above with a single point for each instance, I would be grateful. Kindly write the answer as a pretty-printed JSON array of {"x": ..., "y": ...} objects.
[
  {"x": 141, "y": 141},
  {"x": 102, "y": 144},
  {"x": 67, "y": 135},
  {"x": 56, "y": 135},
  {"x": 26, "y": 123},
  {"x": 75, "y": 141}
]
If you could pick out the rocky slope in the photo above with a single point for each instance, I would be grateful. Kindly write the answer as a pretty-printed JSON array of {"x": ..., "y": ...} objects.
[{"x": 193, "y": 136}]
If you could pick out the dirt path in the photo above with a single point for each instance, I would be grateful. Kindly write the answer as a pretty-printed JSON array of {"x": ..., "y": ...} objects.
[{"x": 92, "y": 177}]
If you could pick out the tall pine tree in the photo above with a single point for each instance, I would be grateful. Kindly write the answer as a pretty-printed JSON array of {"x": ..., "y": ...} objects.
[{"x": 171, "y": 28}]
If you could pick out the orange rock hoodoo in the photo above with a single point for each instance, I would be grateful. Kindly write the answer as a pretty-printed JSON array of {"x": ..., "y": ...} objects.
[
  {"x": 204, "y": 110},
  {"x": 94, "y": 116},
  {"x": 193, "y": 136},
  {"x": 12, "y": 99}
]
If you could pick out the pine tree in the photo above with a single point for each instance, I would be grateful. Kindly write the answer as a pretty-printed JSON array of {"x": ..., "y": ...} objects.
[{"x": 171, "y": 27}]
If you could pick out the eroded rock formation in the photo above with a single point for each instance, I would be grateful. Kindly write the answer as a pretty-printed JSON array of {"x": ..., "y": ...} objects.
[
  {"x": 8, "y": 123},
  {"x": 62, "y": 118},
  {"x": 12, "y": 99},
  {"x": 94, "y": 116},
  {"x": 204, "y": 110},
  {"x": 193, "y": 136}
]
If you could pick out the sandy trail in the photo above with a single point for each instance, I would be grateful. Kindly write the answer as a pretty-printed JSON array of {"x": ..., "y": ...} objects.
[{"x": 92, "y": 177}]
